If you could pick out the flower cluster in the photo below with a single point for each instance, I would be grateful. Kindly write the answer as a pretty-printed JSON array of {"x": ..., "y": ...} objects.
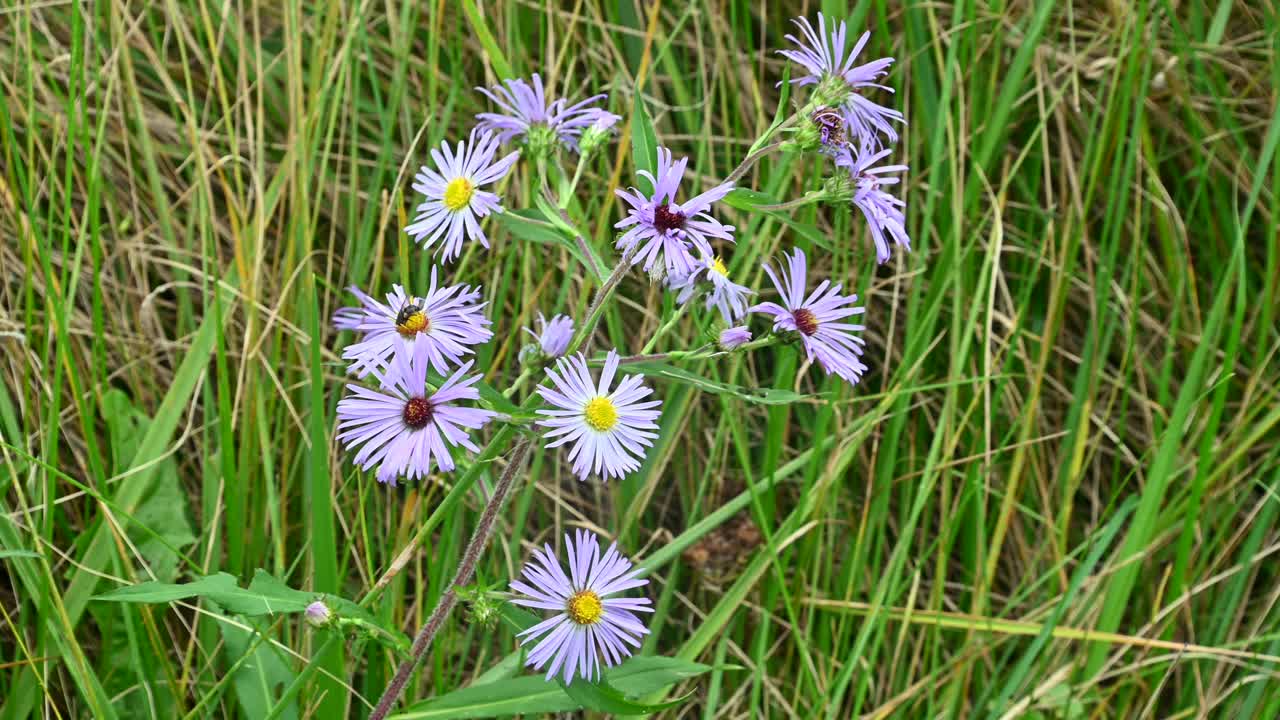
[
  {"x": 415, "y": 403},
  {"x": 845, "y": 124}
]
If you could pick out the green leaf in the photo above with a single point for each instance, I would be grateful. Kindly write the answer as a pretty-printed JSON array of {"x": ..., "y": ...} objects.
[
  {"x": 530, "y": 225},
  {"x": 751, "y": 201},
  {"x": 747, "y": 199},
  {"x": 532, "y": 695},
  {"x": 265, "y": 596},
  {"x": 18, "y": 554},
  {"x": 487, "y": 41},
  {"x": 762, "y": 396},
  {"x": 644, "y": 143},
  {"x": 603, "y": 697},
  {"x": 259, "y": 678}
]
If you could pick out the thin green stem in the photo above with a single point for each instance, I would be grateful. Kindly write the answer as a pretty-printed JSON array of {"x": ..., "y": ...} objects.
[{"x": 666, "y": 327}]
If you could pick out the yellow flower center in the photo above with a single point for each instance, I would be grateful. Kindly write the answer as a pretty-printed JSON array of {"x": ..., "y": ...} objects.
[
  {"x": 601, "y": 413},
  {"x": 584, "y": 607},
  {"x": 457, "y": 194},
  {"x": 414, "y": 324},
  {"x": 718, "y": 265}
]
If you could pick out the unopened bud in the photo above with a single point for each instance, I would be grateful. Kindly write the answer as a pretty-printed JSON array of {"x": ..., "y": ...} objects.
[{"x": 318, "y": 614}]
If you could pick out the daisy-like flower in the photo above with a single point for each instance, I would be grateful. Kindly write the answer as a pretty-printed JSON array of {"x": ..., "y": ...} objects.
[
  {"x": 822, "y": 54},
  {"x": 733, "y": 338},
  {"x": 591, "y": 628},
  {"x": 816, "y": 318},
  {"x": 448, "y": 322},
  {"x": 455, "y": 203},
  {"x": 882, "y": 210},
  {"x": 529, "y": 115},
  {"x": 609, "y": 429},
  {"x": 666, "y": 230},
  {"x": 725, "y": 295},
  {"x": 402, "y": 428},
  {"x": 553, "y": 336}
]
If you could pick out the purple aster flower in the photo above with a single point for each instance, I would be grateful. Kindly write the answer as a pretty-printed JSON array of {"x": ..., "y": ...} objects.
[
  {"x": 590, "y": 627},
  {"x": 822, "y": 54},
  {"x": 554, "y": 336},
  {"x": 665, "y": 229},
  {"x": 609, "y": 429},
  {"x": 455, "y": 202},
  {"x": 725, "y": 295},
  {"x": 815, "y": 318},
  {"x": 526, "y": 112},
  {"x": 448, "y": 321},
  {"x": 882, "y": 210},
  {"x": 349, "y": 318},
  {"x": 401, "y": 428},
  {"x": 734, "y": 337}
]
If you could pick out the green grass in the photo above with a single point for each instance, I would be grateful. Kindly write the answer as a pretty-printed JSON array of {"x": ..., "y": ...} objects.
[{"x": 1055, "y": 495}]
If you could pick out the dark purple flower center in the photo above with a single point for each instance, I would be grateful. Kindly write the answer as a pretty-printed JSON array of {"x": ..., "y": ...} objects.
[
  {"x": 806, "y": 321},
  {"x": 665, "y": 218},
  {"x": 417, "y": 412}
]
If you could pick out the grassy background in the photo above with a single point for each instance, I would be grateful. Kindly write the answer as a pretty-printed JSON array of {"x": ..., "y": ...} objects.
[{"x": 1055, "y": 493}]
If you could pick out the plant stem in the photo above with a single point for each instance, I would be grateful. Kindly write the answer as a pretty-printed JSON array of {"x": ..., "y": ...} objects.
[
  {"x": 675, "y": 317},
  {"x": 597, "y": 304},
  {"x": 573, "y": 184},
  {"x": 750, "y": 160},
  {"x": 466, "y": 570},
  {"x": 806, "y": 199},
  {"x": 524, "y": 375}
]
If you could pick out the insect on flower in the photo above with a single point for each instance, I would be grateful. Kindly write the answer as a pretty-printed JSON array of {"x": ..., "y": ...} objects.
[
  {"x": 449, "y": 321},
  {"x": 839, "y": 81}
]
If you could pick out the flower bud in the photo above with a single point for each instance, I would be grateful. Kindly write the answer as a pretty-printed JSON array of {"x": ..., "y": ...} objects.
[
  {"x": 598, "y": 133},
  {"x": 540, "y": 142},
  {"x": 530, "y": 354},
  {"x": 318, "y": 614},
  {"x": 832, "y": 91},
  {"x": 733, "y": 338}
]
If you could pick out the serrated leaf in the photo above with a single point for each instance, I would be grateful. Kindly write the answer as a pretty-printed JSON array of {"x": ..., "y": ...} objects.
[{"x": 162, "y": 512}]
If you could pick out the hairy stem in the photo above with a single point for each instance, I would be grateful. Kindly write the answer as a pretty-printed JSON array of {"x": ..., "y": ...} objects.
[
  {"x": 466, "y": 570},
  {"x": 750, "y": 160},
  {"x": 806, "y": 199},
  {"x": 597, "y": 303},
  {"x": 675, "y": 317}
]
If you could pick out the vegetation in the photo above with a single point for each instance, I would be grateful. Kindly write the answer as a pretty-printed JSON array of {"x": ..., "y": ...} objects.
[{"x": 1054, "y": 495}]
